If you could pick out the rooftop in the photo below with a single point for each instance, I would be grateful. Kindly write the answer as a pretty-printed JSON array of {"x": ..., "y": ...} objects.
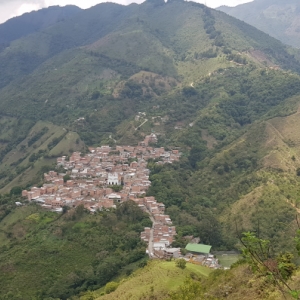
[{"x": 199, "y": 248}]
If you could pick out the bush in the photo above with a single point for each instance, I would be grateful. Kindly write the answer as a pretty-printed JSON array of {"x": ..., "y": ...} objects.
[
  {"x": 16, "y": 190},
  {"x": 181, "y": 263},
  {"x": 111, "y": 287},
  {"x": 66, "y": 177}
]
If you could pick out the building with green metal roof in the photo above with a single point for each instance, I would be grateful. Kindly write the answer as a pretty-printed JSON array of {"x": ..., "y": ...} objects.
[{"x": 198, "y": 248}]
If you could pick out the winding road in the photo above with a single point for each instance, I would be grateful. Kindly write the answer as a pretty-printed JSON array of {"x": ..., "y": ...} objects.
[{"x": 150, "y": 244}]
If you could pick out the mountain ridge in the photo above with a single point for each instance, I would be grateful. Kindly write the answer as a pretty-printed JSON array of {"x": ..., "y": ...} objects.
[
  {"x": 29, "y": 23},
  {"x": 277, "y": 18}
]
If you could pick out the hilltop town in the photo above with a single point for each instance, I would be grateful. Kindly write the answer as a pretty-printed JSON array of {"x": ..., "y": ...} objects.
[{"x": 107, "y": 176}]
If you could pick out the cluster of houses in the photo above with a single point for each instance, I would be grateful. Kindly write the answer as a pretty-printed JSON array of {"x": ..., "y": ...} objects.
[
  {"x": 107, "y": 176},
  {"x": 162, "y": 233},
  {"x": 100, "y": 179}
]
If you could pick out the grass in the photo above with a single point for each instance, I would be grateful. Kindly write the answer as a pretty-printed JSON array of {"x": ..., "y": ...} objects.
[
  {"x": 226, "y": 260},
  {"x": 161, "y": 275},
  {"x": 195, "y": 70},
  {"x": 10, "y": 220},
  {"x": 19, "y": 156}
]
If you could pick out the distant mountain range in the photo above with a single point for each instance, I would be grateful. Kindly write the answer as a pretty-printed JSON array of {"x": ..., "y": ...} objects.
[
  {"x": 278, "y": 18},
  {"x": 35, "y": 21}
]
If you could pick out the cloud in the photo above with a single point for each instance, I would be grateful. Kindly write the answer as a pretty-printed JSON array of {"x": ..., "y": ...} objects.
[
  {"x": 12, "y": 8},
  {"x": 27, "y": 7},
  {"x": 217, "y": 3}
]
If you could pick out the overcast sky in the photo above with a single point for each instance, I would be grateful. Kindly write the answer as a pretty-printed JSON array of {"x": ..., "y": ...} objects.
[{"x": 12, "y": 8}]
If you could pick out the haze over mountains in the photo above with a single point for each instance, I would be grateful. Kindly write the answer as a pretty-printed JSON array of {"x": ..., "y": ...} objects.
[
  {"x": 279, "y": 18},
  {"x": 28, "y": 23},
  {"x": 223, "y": 92}
]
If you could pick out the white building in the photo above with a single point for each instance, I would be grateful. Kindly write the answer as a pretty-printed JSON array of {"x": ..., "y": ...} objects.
[{"x": 113, "y": 179}]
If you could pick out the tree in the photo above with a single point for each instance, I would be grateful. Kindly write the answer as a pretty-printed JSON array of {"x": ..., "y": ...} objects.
[
  {"x": 16, "y": 190},
  {"x": 66, "y": 177},
  {"x": 258, "y": 253},
  {"x": 181, "y": 263},
  {"x": 116, "y": 188},
  {"x": 111, "y": 287},
  {"x": 88, "y": 296}
]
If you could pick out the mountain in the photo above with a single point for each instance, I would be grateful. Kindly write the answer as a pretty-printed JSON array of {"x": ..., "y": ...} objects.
[
  {"x": 224, "y": 93},
  {"x": 106, "y": 63},
  {"x": 279, "y": 18},
  {"x": 35, "y": 21}
]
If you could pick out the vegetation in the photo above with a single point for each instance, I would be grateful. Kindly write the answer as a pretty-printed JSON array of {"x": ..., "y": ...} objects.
[
  {"x": 219, "y": 90},
  {"x": 277, "y": 269},
  {"x": 181, "y": 263},
  {"x": 163, "y": 280},
  {"x": 155, "y": 281},
  {"x": 77, "y": 251},
  {"x": 111, "y": 287},
  {"x": 277, "y": 21}
]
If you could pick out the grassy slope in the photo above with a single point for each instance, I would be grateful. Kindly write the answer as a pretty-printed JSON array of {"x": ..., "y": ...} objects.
[
  {"x": 17, "y": 162},
  {"x": 279, "y": 184},
  {"x": 158, "y": 279},
  {"x": 164, "y": 277}
]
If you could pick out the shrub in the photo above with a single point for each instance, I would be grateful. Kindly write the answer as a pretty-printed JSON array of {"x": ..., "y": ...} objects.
[
  {"x": 181, "y": 263},
  {"x": 111, "y": 287}
]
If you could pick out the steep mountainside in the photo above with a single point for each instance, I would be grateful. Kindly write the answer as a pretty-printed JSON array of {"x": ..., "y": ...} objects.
[
  {"x": 226, "y": 94},
  {"x": 32, "y": 22},
  {"x": 106, "y": 63},
  {"x": 278, "y": 18}
]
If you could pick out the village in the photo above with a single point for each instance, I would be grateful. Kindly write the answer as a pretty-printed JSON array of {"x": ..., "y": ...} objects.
[{"x": 107, "y": 176}]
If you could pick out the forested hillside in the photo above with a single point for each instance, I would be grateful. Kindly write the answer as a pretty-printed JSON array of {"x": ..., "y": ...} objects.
[
  {"x": 28, "y": 23},
  {"x": 224, "y": 93}
]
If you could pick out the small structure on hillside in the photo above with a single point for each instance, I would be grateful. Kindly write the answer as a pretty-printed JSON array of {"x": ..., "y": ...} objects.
[
  {"x": 172, "y": 253},
  {"x": 198, "y": 249}
]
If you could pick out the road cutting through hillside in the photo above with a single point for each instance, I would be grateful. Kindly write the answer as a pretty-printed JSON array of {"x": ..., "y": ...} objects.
[{"x": 141, "y": 124}]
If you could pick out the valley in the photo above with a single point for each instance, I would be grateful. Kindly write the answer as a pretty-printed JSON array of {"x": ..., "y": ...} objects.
[{"x": 188, "y": 112}]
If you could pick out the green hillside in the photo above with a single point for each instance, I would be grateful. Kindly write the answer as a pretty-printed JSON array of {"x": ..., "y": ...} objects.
[
  {"x": 226, "y": 94},
  {"x": 30, "y": 151},
  {"x": 32, "y": 22},
  {"x": 209, "y": 75},
  {"x": 279, "y": 19},
  {"x": 163, "y": 280},
  {"x": 251, "y": 148},
  {"x": 47, "y": 255},
  {"x": 118, "y": 61},
  {"x": 155, "y": 281}
]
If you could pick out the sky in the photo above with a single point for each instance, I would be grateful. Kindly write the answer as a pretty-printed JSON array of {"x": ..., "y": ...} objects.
[{"x": 12, "y": 8}]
